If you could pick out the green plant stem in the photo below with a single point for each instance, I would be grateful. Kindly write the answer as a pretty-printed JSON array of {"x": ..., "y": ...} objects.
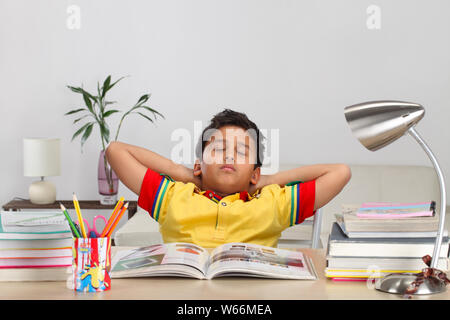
[
  {"x": 120, "y": 125},
  {"x": 108, "y": 173},
  {"x": 108, "y": 170}
]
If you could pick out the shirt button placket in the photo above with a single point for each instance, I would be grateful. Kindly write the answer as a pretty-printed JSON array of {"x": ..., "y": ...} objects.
[{"x": 220, "y": 232}]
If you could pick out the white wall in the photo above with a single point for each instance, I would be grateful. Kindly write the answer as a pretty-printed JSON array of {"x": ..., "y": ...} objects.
[{"x": 289, "y": 65}]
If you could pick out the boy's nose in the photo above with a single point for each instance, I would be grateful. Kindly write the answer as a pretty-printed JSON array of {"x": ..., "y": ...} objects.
[{"x": 229, "y": 158}]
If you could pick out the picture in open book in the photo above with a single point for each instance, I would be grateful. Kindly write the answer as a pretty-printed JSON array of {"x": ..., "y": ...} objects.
[{"x": 231, "y": 259}]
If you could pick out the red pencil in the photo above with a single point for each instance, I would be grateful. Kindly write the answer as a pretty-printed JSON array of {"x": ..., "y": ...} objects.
[{"x": 124, "y": 208}]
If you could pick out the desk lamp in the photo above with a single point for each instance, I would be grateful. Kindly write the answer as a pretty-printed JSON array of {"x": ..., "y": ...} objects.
[
  {"x": 41, "y": 158},
  {"x": 377, "y": 124}
]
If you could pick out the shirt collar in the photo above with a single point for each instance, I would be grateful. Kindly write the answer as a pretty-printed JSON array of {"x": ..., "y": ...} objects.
[{"x": 243, "y": 195}]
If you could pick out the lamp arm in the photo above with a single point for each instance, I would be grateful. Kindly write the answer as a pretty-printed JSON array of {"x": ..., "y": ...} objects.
[{"x": 438, "y": 243}]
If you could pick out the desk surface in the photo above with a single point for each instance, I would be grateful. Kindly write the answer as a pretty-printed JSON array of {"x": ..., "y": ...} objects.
[{"x": 171, "y": 288}]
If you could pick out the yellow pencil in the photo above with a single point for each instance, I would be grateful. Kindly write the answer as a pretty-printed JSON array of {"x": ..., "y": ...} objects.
[{"x": 80, "y": 217}]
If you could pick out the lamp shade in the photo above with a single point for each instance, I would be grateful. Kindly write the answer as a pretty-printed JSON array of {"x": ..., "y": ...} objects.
[
  {"x": 41, "y": 157},
  {"x": 378, "y": 123}
]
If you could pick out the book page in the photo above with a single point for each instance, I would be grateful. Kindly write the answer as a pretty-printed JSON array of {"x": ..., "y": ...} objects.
[
  {"x": 187, "y": 253},
  {"x": 39, "y": 222},
  {"x": 250, "y": 259},
  {"x": 160, "y": 259}
]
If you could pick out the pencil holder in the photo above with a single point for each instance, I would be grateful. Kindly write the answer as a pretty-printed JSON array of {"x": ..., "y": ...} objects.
[{"x": 91, "y": 264}]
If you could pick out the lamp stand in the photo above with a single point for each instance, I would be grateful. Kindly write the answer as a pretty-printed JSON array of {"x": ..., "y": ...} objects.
[
  {"x": 42, "y": 192},
  {"x": 397, "y": 283}
]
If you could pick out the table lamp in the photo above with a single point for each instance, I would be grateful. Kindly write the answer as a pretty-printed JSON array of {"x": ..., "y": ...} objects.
[
  {"x": 41, "y": 159},
  {"x": 377, "y": 124}
]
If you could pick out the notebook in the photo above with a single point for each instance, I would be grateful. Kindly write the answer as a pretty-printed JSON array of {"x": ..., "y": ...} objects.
[
  {"x": 341, "y": 245},
  {"x": 395, "y": 210}
]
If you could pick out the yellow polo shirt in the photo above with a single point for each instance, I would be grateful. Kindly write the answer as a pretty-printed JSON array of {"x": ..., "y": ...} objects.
[{"x": 187, "y": 214}]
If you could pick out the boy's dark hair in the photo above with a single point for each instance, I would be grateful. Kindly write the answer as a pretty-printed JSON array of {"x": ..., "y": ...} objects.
[{"x": 239, "y": 119}]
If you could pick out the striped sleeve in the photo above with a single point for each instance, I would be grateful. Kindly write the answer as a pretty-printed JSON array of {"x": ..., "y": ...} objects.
[
  {"x": 301, "y": 201},
  {"x": 154, "y": 193}
]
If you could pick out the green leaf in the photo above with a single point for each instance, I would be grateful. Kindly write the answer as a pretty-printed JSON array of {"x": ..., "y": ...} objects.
[
  {"x": 87, "y": 115},
  {"x": 109, "y": 102},
  {"x": 99, "y": 95},
  {"x": 109, "y": 112},
  {"x": 75, "y": 111},
  {"x": 79, "y": 131},
  {"x": 100, "y": 99},
  {"x": 144, "y": 98},
  {"x": 88, "y": 102},
  {"x": 106, "y": 86},
  {"x": 146, "y": 117},
  {"x": 82, "y": 91},
  {"x": 104, "y": 130},
  {"x": 153, "y": 111},
  {"x": 75, "y": 89},
  {"x": 110, "y": 87},
  {"x": 86, "y": 133}
]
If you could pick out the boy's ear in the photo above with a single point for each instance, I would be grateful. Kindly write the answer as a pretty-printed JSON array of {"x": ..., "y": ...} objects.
[
  {"x": 255, "y": 175},
  {"x": 197, "y": 168}
]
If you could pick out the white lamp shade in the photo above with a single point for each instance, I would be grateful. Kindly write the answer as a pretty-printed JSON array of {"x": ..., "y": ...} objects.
[{"x": 41, "y": 157}]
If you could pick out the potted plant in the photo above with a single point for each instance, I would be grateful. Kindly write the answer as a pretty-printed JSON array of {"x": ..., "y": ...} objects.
[{"x": 96, "y": 112}]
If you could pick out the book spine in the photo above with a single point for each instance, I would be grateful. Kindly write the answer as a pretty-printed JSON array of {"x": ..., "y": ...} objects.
[
  {"x": 380, "y": 250},
  {"x": 383, "y": 215},
  {"x": 390, "y": 205},
  {"x": 351, "y": 279},
  {"x": 32, "y": 267}
]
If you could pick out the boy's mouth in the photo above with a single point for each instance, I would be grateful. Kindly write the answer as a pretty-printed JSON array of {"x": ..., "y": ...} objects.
[{"x": 228, "y": 168}]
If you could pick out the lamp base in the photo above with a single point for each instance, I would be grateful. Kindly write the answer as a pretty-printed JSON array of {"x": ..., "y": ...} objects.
[
  {"x": 42, "y": 192},
  {"x": 397, "y": 283}
]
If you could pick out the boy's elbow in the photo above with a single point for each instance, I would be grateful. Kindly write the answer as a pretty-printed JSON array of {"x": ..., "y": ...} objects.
[
  {"x": 346, "y": 172},
  {"x": 329, "y": 187}
]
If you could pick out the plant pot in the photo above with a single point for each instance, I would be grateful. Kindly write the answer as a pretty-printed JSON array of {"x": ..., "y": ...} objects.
[{"x": 108, "y": 182}]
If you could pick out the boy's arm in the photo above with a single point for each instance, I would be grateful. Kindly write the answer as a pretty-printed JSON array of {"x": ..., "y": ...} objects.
[
  {"x": 130, "y": 163},
  {"x": 330, "y": 179}
]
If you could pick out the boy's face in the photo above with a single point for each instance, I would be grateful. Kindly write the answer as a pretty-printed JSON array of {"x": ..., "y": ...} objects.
[{"x": 228, "y": 162}]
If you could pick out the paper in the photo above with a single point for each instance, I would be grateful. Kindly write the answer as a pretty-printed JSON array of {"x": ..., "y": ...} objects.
[{"x": 37, "y": 221}]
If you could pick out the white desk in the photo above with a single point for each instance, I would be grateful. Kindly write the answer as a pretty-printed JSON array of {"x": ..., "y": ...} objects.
[{"x": 171, "y": 288}]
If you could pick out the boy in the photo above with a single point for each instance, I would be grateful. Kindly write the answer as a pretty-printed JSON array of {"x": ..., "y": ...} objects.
[{"x": 224, "y": 198}]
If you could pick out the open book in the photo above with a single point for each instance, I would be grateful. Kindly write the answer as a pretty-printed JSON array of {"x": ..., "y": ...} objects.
[{"x": 231, "y": 259}]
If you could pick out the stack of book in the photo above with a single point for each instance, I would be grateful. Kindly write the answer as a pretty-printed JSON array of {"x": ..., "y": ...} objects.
[
  {"x": 379, "y": 238},
  {"x": 34, "y": 246}
]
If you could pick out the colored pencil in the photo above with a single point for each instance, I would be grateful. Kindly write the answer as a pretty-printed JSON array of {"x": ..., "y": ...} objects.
[
  {"x": 78, "y": 228},
  {"x": 80, "y": 217},
  {"x": 72, "y": 226},
  {"x": 117, "y": 208},
  {"x": 119, "y": 205},
  {"x": 111, "y": 219},
  {"x": 124, "y": 208}
]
